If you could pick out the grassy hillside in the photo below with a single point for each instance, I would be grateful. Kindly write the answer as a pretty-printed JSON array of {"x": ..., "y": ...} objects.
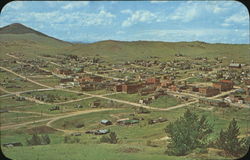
[
  {"x": 32, "y": 42},
  {"x": 118, "y": 50}
]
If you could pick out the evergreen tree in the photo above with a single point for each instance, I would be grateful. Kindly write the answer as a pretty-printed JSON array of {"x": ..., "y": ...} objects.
[
  {"x": 35, "y": 140},
  {"x": 228, "y": 140},
  {"x": 45, "y": 139},
  {"x": 187, "y": 133},
  {"x": 113, "y": 138}
]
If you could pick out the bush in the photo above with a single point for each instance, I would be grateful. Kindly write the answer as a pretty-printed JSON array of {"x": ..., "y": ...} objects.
[
  {"x": 111, "y": 139},
  {"x": 105, "y": 139},
  {"x": 68, "y": 139}
]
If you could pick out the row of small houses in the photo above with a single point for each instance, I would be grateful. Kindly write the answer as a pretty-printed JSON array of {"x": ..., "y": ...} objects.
[{"x": 226, "y": 102}]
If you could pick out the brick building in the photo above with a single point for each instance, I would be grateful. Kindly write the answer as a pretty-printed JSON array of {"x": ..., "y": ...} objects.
[
  {"x": 166, "y": 83},
  {"x": 223, "y": 85},
  {"x": 247, "y": 90},
  {"x": 63, "y": 71},
  {"x": 117, "y": 88},
  {"x": 131, "y": 88},
  {"x": 90, "y": 79},
  {"x": 208, "y": 91},
  {"x": 247, "y": 81},
  {"x": 213, "y": 102},
  {"x": 152, "y": 80},
  {"x": 63, "y": 80}
]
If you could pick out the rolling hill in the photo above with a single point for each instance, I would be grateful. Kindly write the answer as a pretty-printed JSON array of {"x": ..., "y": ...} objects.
[{"x": 17, "y": 37}]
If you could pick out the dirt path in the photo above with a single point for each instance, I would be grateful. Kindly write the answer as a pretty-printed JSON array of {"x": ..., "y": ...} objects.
[
  {"x": 102, "y": 96},
  {"x": 53, "y": 119},
  {"x": 71, "y": 101},
  {"x": 8, "y": 70},
  {"x": 74, "y": 114},
  {"x": 36, "y": 113}
]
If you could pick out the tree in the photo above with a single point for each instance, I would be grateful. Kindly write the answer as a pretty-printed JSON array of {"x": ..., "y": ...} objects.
[
  {"x": 113, "y": 138},
  {"x": 45, "y": 139},
  {"x": 35, "y": 140},
  {"x": 228, "y": 140},
  {"x": 187, "y": 133}
]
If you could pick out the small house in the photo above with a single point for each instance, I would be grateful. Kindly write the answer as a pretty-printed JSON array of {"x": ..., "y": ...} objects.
[{"x": 106, "y": 122}]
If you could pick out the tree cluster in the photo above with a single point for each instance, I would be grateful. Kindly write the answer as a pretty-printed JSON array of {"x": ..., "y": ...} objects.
[
  {"x": 38, "y": 140},
  {"x": 190, "y": 133}
]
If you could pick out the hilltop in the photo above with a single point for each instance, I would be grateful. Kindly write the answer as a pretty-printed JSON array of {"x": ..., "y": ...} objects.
[{"x": 20, "y": 34}]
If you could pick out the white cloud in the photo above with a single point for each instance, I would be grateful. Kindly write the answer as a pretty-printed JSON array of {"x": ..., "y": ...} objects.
[
  {"x": 140, "y": 16},
  {"x": 101, "y": 18},
  {"x": 185, "y": 12},
  {"x": 225, "y": 24},
  {"x": 158, "y": 1},
  {"x": 192, "y": 10},
  {"x": 72, "y": 5},
  {"x": 240, "y": 17},
  {"x": 211, "y": 35},
  {"x": 126, "y": 11},
  {"x": 120, "y": 32},
  {"x": 78, "y": 18},
  {"x": 16, "y": 5}
]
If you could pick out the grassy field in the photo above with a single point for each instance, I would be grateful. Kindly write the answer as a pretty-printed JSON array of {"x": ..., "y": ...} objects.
[
  {"x": 86, "y": 152},
  {"x": 165, "y": 101},
  {"x": 5, "y": 103},
  {"x": 130, "y": 137},
  {"x": 18, "y": 83},
  {"x": 9, "y": 118},
  {"x": 51, "y": 81}
]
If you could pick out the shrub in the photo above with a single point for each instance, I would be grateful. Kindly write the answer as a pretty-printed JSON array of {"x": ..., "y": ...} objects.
[
  {"x": 105, "y": 139},
  {"x": 112, "y": 138},
  {"x": 68, "y": 139}
]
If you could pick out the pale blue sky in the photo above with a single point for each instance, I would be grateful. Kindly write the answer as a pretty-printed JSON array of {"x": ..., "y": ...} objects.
[{"x": 172, "y": 21}]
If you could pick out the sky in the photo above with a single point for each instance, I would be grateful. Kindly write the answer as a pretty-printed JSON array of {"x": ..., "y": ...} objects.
[{"x": 171, "y": 21}]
